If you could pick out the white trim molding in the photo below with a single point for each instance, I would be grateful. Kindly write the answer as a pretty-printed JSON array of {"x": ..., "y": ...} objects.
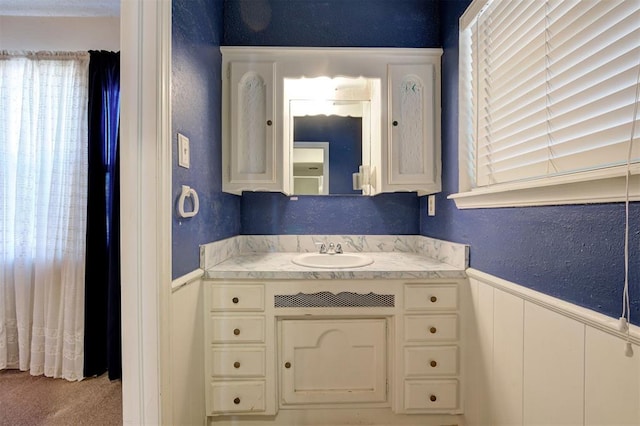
[
  {"x": 187, "y": 279},
  {"x": 582, "y": 315},
  {"x": 145, "y": 154},
  {"x": 599, "y": 186}
]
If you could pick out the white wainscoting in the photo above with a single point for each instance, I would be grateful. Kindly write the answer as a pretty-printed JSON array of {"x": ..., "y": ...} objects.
[
  {"x": 187, "y": 350},
  {"x": 537, "y": 360}
]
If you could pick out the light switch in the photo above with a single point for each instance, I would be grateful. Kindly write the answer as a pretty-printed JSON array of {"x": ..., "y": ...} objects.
[{"x": 183, "y": 151}]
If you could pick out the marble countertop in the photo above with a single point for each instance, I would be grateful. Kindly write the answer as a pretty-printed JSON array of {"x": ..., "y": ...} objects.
[{"x": 386, "y": 265}]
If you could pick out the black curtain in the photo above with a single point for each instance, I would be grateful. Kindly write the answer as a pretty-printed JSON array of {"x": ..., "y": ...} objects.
[{"x": 102, "y": 343}]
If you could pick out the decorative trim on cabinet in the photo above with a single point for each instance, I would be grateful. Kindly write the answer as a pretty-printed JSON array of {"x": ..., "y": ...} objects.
[{"x": 325, "y": 299}]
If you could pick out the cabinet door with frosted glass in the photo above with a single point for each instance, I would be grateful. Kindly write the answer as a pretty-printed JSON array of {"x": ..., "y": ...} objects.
[
  {"x": 414, "y": 135},
  {"x": 253, "y": 155}
]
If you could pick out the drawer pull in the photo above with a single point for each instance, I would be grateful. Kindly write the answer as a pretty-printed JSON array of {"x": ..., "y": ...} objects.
[
  {"x": 287, "y": 364},
  {"x": 235, "y": 300},
  {"x": 269, "y": 122},
  {"x": 433, "y": 398},
  {"x": 236, "y": 331},
  {"x": 433, "y": 364},
  {"x": 432, "y": 330},
  {"x": 236, "y": 401},
  {"x": 433, "y": 299},
  {"x": 236, "y": 364}
]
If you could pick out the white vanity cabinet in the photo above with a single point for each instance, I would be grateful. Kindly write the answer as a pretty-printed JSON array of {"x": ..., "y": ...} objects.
[
  {"x": 297, "y": 347},
  {"x": 400, "y": 114}
]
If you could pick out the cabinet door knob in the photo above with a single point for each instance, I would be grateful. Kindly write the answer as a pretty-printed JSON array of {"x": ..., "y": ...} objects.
[
  {"x": 433, "y": 299},
  {"x": 287, "y": 364},
  {"x": 433, "y": 364},
  {"x": 395, "y": 123},
  {"x": 433, "y": 398},
  {"x": 236, "y": 331},
  {"x": 432, "y": 330},
  {"x": 236, "y": 401},
  {"x": 235, "y": 300},
  {"x": 269, "y": 122},
  {"x": 236, "y": 364}
]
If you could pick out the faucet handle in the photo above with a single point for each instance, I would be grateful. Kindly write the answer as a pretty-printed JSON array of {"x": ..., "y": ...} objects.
[
  {"x": 338, "y": 248},
  {"x": 323, "y": 247}
]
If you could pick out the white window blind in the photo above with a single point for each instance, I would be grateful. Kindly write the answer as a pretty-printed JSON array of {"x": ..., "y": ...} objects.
[{"x": 548, "y": 88}]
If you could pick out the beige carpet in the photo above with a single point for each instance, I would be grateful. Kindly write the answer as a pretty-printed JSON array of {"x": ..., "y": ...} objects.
[{"x": 38, "y": 400}]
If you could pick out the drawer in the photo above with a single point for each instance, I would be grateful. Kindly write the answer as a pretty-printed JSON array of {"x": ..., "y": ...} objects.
[
  {"x": 430, "y": 395},
  {"x": 430, "y": 328},
  {"x": 424, "y": 296},
  {"x": 245, "y": 362},
  {"x": 431, "y": 361},
  {"x": 237, "y": 397},
  {"x": 237, "y": 329},
  {"x": 237, "y": 297}
]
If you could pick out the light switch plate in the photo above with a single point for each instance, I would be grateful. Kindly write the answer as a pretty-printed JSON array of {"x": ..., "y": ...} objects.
[
  {"x": 431, "y": 205},
  {"x": 183, "y": 151}
]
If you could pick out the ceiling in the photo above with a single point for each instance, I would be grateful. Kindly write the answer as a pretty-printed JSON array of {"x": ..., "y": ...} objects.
[{"x": 60, "y": 7}]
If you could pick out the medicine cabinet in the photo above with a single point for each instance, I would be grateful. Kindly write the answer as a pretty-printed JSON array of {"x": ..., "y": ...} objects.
[{"x": 390, "y": 96}]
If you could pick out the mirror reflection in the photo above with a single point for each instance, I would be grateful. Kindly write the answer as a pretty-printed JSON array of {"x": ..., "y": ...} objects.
[
  {"x": 329, "y": 119},
  {"x": 343, "y": 139},
  {"x": 310, "y": 176}
]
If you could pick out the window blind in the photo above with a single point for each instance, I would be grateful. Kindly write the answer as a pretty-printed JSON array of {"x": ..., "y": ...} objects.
[{"x": 548, "y": 87}]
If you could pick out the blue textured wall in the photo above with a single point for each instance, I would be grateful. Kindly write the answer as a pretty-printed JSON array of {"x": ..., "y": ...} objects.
[
  {"x": 271, "y": 214},
  {"x": 343, "y": 23},
  {"x": 344, "y": 135},
  {"x": 571, "y": 252},
  {"x": 195, "y": 102},
  {"x": 335, "y": 23}
]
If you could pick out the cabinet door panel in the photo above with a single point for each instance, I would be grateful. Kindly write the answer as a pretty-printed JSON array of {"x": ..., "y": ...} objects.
[
  {"x": 253, "y": 126},
  {"x": 333, "y": 361},
  {"x": 412, "y": 124}
]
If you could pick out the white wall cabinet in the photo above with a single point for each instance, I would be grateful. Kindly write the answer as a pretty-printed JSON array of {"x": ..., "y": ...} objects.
[
  {"x": 401, "y": 132},
  {"x": 253, "y": 157},
  {"x": 414, "y": 140},
  {"x": 310, "y": 346}
]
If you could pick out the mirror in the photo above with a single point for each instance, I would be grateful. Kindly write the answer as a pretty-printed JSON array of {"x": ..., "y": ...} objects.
[{"x": 336, "y": 113}]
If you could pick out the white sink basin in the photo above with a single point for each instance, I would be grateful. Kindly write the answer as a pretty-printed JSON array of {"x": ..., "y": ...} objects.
[{"x": 332, "y": 261}]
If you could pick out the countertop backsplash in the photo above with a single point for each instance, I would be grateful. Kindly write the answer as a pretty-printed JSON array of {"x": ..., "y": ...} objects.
[{"x": 454, "y": 254}]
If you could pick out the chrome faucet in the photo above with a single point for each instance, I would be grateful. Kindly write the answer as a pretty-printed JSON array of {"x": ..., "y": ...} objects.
[{"x": 331, "y": 249}]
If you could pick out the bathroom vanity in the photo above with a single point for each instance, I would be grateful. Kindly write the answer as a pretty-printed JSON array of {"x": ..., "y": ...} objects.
[{"x": 288, "y": 343}]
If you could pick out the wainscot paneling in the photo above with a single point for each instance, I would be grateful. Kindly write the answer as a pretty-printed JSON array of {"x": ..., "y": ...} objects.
[
  {"x": 187, "y": 350},
  {"x": 538, "y": 360}
]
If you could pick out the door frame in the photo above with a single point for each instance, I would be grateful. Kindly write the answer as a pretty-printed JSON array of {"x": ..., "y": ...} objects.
[{"x": 146, "y": 209}]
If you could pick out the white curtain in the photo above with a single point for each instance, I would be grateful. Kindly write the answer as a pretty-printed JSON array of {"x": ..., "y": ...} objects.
[{"x": 43, "y": 195}]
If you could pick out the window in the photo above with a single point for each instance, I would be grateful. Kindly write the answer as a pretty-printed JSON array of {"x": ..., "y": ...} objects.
[{"x": 548, "y": 95}]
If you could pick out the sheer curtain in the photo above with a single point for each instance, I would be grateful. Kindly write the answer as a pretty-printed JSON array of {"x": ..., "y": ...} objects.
[{"x": 43, "y": 196}]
